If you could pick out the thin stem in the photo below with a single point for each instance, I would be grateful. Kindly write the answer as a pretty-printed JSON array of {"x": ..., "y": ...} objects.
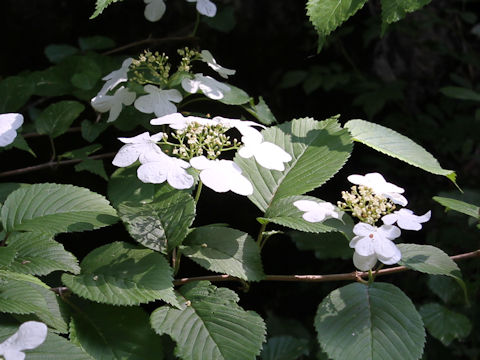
[
  {"x": 51, "y": 164},
  {"x": 178, "y": 256},
  {"x": 195, "y": 28},
  {"x": 52, "y": 146},
  {"x": 200, "y": 98},
  {"x": 199, "y": 190},
  {"x": 260, "y": 235}
]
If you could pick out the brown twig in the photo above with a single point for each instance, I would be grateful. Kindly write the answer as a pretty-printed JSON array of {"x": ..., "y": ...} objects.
[
  {"x": 52, "y": 164},
  {"x": 33, "y": 134}
]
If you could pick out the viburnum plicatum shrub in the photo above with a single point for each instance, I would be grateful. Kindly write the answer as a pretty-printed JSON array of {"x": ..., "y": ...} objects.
[{"x": 98, "y": 311}]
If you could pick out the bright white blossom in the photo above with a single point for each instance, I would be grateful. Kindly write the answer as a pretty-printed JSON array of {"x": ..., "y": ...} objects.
[
  {"x": 113, "y": 103},
  {"x": 267, "y": 154},
  {"x": 9, "y": 123},
  {"x": 222, "y": 175},
  {"x": 406, "y": 219},
  {"x": 179, "y": 122},
  {"x": 372, "y": 243},
  {"x": 116, "y": 77},
  {"x": 30, "y": 335},
  {"x": 157, "y": 167},
  {"x": 246, "y": 128},
  {"x": 205, "y": 7},
  {"x": 137, "y": 147},
  {"x": 209, "y": 86},
  {"x": 380, "y": 186},
  {"x": 210, "y": 60},
  {"x": 158, "y": 101},
  {"x": 154, "y": 9},
  {"x": 316, "y": 212}
]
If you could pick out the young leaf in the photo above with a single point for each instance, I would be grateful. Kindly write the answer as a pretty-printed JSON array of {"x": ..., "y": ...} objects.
[
  {"x": 100, "y": 5},
  {"x": 39, "y": 254},
  {"x": 57, "y": 118},
  {"x": 95, "y": 166},
  {"x": 327, "y": 15},
  {"x": 396, "y": 145},
  {"x": 123, "y": 274},
  {"x": 235, "y": 96},
  {"x": 124, "y": 185},
  {"x": 376, "y": 321},
  {"x": 443, "y": 324},
  {"x": 261, "y": 111},
  {"x": 284, "y": 348},
  {"x": 210, "y": 325},
  {"x": 460, "y": 206},
  {"x": 395, "y": 10},
  {"x": 226, "y": 251},
  {"x": 318, "y": 149},
  {"x": 283, "y": 212},
  {"x": 162, "y": 224},
  {"x": 114, "y": 332},
  {"x": 57, "y": 52},
  {"x": 14, "y": 93},
  {"x": 55, "y": 208},
  {"x": 90, "y": 131}
]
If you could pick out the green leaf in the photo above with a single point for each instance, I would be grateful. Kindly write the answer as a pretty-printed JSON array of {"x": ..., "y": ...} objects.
[
  {"x": 162, "y": 224},
  {"x": 114, "y": 332},
  {"x": 210, "y": 325},
  {"x": 396, "y": 145},
  {"x": 443, "y": 324},
  {"x": 223, "y": 21},
  {"x": 376, "y": 321},
  {"x": 7, "y": 188},
  {"x": 444, "y": 287},
  {"x": 95, "y": 166},
  {"x": 7, "y": 255},
  {"x": 226, "y": 251},
  {"x": 100, "y": 5},
  {"x": 95, "y": 43},
  {"x": 55, "y": 208},
  {"x": 14, "y": 93},
  {"x": 53, "y": 81},
  {"x": 90, "y": 131},
  {"x": 460, "y": 93},
  {"x": 22, "y": 277},
  {"x": 262, "y": 112},
  {"x": 318, "y": 149},
  {"x": 24, "y": 297},
  {"x": 460, "y": 206},
  {"x": 21, "y": 143},
  {"x": 123, "y": 274},
  {"x": 395, "y": 10},
  {"x": 124, "y": 185},
  {"x": 327, "y": 15},
  {"x": 58, "y": 52},
  {"x": 55, "y": 347},
  {"x": 283, "y": 212},
  {"x": 85, "y": 73},
  {"x": 235, "y": 96},
  {"x": 428, "y": 259},
  {"x": 39, "y": 254},
  {"x": 284, "y": 348},
  {"x": 81, "y": 153},
  {"x": 326, "y": 245},
  {"x": 57, "y": 118}
]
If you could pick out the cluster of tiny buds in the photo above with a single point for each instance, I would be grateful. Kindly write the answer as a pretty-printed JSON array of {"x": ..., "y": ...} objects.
[
  {"x": 151, "y": 68},
  {"x": 365, "y": 205},
  {"x": 187, "y": 56},
  {"x": 208, "y": 140}
]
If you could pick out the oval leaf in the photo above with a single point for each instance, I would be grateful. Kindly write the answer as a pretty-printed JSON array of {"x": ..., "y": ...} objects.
[
  {"x": 460, "y": 206},
  {"x": 307, "y": 141},
  {"x": 124, "y": 185},
  {"x": 377, "y": 322},
  {"x": 210, "y": 325},
  {"x": 123, "y": 274},
  {"x": 396, "y": 145},
  {"x": 226, "y": 251},
  {"x": 57, "y": 118},
  {"x": 55, "y": 208}
]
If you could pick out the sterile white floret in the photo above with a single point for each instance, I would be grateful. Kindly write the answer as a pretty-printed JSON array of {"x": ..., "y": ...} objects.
[
  {"x": 374, "y": 243},
  {"x": 154, "y": 9},
  {"x": 158, "y": 101},
  {"x": 179, "y": 122},
  {"x": 113, "y": 103},
  {"x": 267, "y": 154},
  {"x": 9, "y": 123},
  {"x": 380, "y": 186},
  {"x": 406, "y": 219},
  {"x": 30, "y": 335},
  {"x": 137, "y": 148},
  {"x": 222, "y": 175},
  {"x": 207, "y": 85},
  {"x": 316, "y": 212},
  {"x": 116, "y": 77},
  {"x": 210, "y": 60},
  {"x": 205, "y": 7}
]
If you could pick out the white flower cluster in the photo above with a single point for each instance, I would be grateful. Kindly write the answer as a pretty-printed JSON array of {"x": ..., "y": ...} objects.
[
  {"x": 219, "y": 175},
  {"x": 9, "y": 123},
  {"x": 30, "y": 335},
  {"x": 371, "y": 243},
  {"x": 155, "y": 9}
]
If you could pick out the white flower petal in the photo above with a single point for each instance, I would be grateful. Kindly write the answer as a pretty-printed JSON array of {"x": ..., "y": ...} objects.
[
  {"x": 158, "y": 101},
  {"x": 271, "y": 156},
  {"x": 160, "y": 167},
  {"x": 363, "y": 229},
  {"x": 364, "y": 263},
  {"x": 116, "y": 77},
  {"x": 365, "y": 246},
  {"x": 380, "y": 186},
  {"x": 30, "y": 335},
  {"x": 208, "y": 85},
  {"x": 306, "y": 205},
  {"x": 389, "y": 231},
  {"x": 9, "y": 123},
  {"x": 406, "y": 219},
  {"x": 208, "y": 58},
  {"x": 206, "y": 7},
  {"x": 316, "y": 212},
  {"x": 137, "y": 147},
  {"x": 154, "y": 10},
  {"x": 387, "y": 252},
  {"x": 113, "y": 103},
  {"x": 151, "y": 172},
  {"x": 200, "y": 162}
]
